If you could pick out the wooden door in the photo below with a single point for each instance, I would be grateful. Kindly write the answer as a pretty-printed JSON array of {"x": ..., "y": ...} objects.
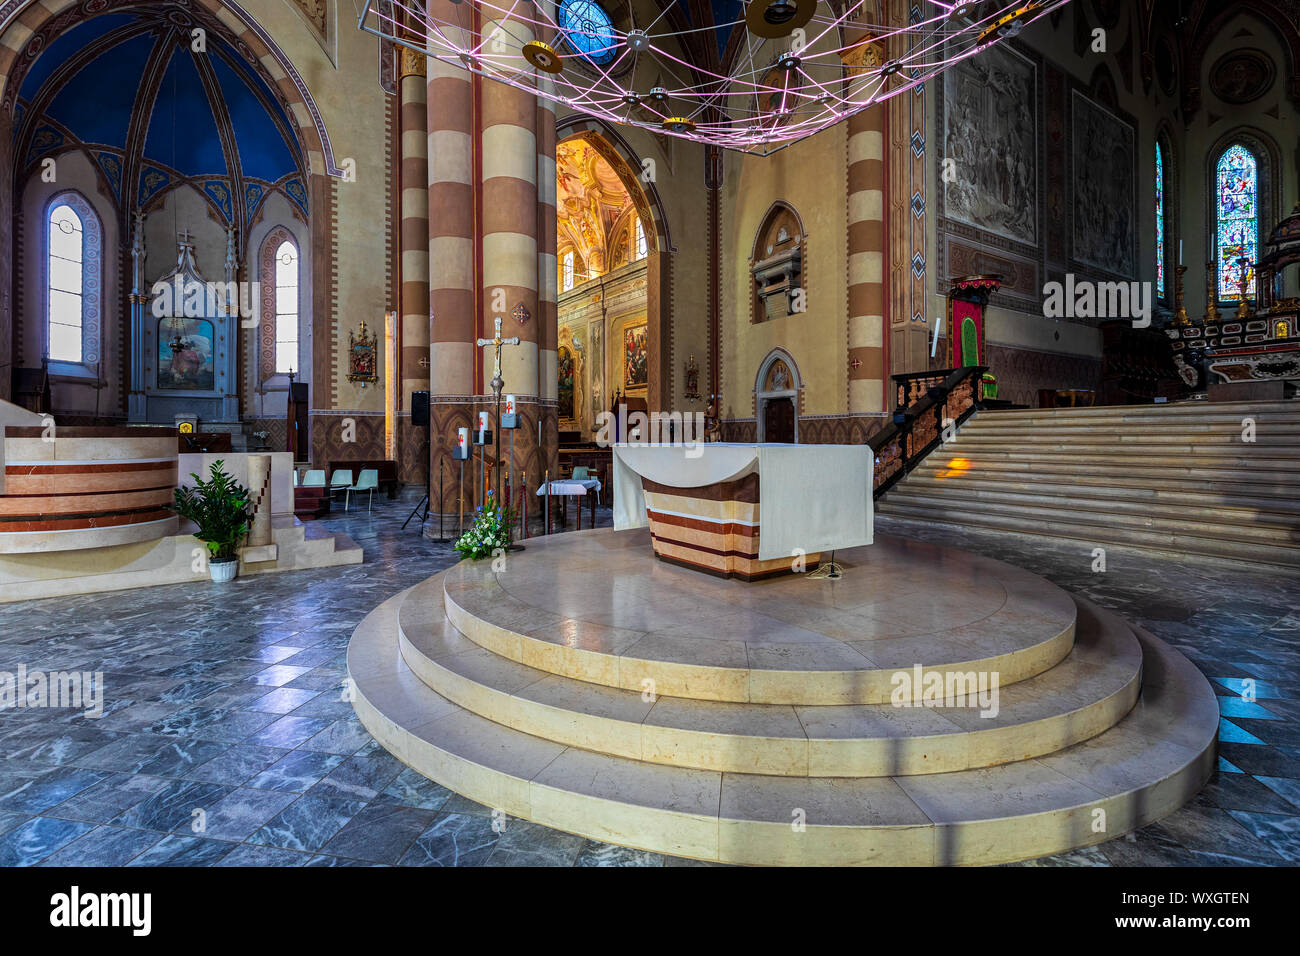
[{"x": 778, "y": 421}]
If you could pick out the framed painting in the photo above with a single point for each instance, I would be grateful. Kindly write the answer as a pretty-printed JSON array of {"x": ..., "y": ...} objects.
[
  {"x": 635, "y": 346},
  {"x": 990, "y": 142},
  {"x": 1104, "y": 231},
  {"x": 185, "y": 351}
]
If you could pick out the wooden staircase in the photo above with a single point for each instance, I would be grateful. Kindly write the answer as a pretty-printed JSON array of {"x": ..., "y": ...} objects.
[{"x": 1170, "y": 478}]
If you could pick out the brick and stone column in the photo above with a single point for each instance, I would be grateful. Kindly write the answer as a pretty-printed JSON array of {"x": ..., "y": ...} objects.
[
  {"x": 413, "y": 237},
  {"x": 491, "y": 209},
  {"x": 866, "y": 245}
]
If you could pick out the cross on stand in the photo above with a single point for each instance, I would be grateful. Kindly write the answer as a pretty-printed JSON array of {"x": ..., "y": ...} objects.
[{"x": 497, "y": 384}]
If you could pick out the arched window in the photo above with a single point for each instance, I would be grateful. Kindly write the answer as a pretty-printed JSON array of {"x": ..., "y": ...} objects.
[
  {"x": 638, "y": 240},
  {"x": 587, "y": 28},
  {"x": 567, "y": 282},
  {"x": 286, "y": 307},
  {"x": 1160, "y": 223},
  {"x": 72, "y": 306},
  {"x": 280, "y": 272},
  {"x": 1236, "y": 220}
]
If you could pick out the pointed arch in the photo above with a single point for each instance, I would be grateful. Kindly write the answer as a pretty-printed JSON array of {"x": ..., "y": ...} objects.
[{"x": 625, "y": 162}]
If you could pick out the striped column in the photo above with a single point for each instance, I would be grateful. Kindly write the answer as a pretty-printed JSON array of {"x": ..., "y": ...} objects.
[
  {"x": 866, "y": 245},
  {"x": 414, "y": 233},
  {"x": 510, "y": 220},
  {"x": 451, "y": 225},
  {"x": 548, "y": 286}
]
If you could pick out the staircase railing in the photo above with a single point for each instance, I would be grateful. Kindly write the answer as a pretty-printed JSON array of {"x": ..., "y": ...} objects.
[{"x": 925, "y": 403}]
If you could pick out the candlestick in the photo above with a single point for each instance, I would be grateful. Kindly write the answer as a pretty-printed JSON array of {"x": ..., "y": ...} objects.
[
  {"x": 1211, "y": 293},
  {"x": 1180, "y": 252},
  {"x": 1180, "y": 313},
  {"x": 1243, "y": 312}
]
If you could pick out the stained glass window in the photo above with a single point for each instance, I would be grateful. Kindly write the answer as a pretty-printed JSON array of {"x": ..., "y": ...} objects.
[
  {"x": 588, "y": 29},
  {"x": 1237, "y": 220},
  {"x": 567, "y": 282},
  {"x": 66, "y": 244},
  {"x": 1160, "y": 223}
]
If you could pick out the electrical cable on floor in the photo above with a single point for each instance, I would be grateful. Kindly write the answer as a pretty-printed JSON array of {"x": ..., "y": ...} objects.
[{"x": 829, "y": 570}]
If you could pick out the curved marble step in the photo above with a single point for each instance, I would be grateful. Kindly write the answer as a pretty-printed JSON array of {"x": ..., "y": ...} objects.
[
  {"x": 1143, "y": 768},
  {"x": 598, "y": 607},
  {"x": 1087, "y": 693}
]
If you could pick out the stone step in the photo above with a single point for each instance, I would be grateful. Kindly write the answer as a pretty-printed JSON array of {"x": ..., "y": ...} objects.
[
  {"x": 1088, "y": 692},
  {"x": 1144, "y": 767},
  {"x": 1089, "y": 536},
  {"x": 1092, "y": 490},
  {"x": 1272, "y": 438},
  {"x": 1162, "y": 412},
  {"x": 823, "y": 642},
  {"x": 1276, "y": 457},
  {"x": 1275, "y": 529},
  {"x": 1259, "y": 478}
]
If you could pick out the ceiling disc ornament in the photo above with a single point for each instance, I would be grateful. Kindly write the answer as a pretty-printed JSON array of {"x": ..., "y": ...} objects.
[
  {"x": 645, "y": 75},
  {"x": 772, "y": 19},
  {"x": 542, "y": 56}
]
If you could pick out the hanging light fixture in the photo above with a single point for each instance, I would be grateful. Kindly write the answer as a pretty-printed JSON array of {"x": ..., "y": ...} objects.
[{"x": 795, "y": 71}]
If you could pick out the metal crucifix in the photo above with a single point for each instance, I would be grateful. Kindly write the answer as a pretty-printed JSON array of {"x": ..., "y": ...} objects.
[{"x": 497, "y": 383}]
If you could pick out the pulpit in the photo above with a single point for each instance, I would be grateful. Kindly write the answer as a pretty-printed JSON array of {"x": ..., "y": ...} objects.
[{"x": 749, "y": 511}]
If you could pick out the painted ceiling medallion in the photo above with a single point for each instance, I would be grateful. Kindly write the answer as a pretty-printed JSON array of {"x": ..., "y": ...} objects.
[
  {"x": 1242, "y": 76},
  {"x": 520, "y": 314},
  {"x": 830, "y": 75}
]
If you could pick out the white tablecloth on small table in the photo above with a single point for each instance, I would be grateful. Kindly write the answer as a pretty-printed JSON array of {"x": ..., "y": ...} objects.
[
  {"x": 571, "y": 486},
  {"x": 811, "y": 497}
]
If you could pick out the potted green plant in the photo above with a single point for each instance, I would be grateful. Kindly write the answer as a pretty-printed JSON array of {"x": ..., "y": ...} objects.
[{"x": 223, "y": 511}]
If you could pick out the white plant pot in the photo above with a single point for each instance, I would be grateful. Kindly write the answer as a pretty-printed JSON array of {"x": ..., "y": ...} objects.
[{"x": 223, "y": 571}]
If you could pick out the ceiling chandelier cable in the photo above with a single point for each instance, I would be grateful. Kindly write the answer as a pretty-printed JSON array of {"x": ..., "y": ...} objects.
[{"x": 803, "y": 66}]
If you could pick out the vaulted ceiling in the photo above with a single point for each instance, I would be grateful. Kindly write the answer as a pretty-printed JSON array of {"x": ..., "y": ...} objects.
[{"x": 153, "y": 113}]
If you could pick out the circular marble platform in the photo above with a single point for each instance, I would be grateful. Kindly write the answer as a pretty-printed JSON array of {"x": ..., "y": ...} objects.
[
  {"x": 601, "y": 608},
  {"x": 468, "y": 677}
]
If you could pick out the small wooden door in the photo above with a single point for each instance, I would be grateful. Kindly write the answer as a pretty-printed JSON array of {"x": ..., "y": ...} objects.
[{"x": 778, "y": 421}]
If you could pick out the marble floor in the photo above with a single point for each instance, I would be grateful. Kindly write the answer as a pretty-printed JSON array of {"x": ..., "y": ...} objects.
[{"x": 226, "y": 739}]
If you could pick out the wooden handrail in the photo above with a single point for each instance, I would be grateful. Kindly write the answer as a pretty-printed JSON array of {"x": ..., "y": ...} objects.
[{"x": 926, "y": 403}]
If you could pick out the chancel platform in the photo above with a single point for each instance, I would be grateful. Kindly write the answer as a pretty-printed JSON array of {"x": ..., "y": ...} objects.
[
  {"x": 748, "y": 511},
  {"x": 592, "y": 688}
]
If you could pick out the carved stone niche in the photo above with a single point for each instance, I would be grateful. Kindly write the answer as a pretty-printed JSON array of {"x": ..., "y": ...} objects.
[{"x": 777, "y": 264}]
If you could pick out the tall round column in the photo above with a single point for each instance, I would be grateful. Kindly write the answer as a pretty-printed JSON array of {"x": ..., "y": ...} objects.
[{"x": 866, "y": 246}]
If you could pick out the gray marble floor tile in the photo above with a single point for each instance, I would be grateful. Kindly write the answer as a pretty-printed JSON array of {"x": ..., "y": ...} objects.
[
  {"x": 308, "y": 823},
  {"x": 36, "y": 839},
  {"x": 104, "y": 846}
]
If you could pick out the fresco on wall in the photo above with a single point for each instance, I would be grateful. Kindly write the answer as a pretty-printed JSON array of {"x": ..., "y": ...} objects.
[
  {"x": 1102, "y": 180},
  {"x": 185, "y": 354},
  {"x": 634, "y": 357},
  {"x": 991, "y": 138},
  {"x": 564, "y": 368}
]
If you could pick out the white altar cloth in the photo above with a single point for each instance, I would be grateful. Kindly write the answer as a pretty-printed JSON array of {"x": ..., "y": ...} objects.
[{"x": 811, "y": 497}]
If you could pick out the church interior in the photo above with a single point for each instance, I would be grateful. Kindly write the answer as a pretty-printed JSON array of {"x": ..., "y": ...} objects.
[{"x": 923, "y": 373}]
